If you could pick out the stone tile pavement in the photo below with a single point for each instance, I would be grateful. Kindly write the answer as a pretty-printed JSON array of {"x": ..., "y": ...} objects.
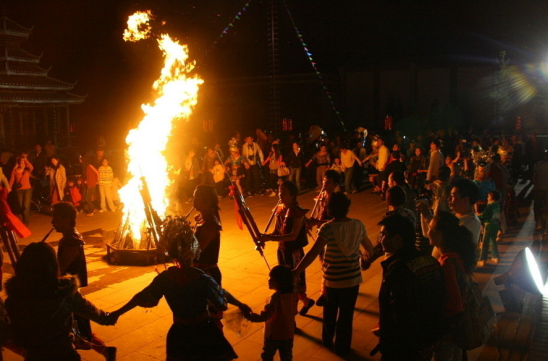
[{"x": 140, "y": 334}]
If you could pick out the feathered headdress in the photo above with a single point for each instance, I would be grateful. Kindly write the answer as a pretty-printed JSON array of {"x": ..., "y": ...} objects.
[
  {"x": 482, "y": 158},
  {"x": 233, "y": 145},
  {"x": 178, "y": 239}
]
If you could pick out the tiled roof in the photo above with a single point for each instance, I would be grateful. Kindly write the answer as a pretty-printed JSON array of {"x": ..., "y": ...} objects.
[
  {"x": 11, "y": 28},
  {"x": 40, "y": 98},
  {"x": 14, "y": 53},
  {"x": 32, "y": 82},
  {"x": 15, "y": 68}
]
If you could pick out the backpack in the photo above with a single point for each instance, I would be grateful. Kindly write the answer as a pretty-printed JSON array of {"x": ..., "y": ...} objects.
[{"x": 478, "y": 318}]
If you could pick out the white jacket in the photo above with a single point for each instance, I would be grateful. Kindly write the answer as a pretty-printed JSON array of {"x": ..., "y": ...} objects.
[{"x": 254, "y": 151}]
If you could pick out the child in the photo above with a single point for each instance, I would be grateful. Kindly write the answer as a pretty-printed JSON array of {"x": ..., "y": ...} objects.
[
  {"x": 218, "y": 172},
  {"x": 337, "y": 166},
  {"x": 279, "y": 315},
  {"x": 72, "y": 194},
  {"x": 106, "y": 176},
  {"x": 490, "y": 218}
]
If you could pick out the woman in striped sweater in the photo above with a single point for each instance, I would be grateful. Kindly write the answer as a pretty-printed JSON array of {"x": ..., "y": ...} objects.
[{"x": 341, "y": 238}]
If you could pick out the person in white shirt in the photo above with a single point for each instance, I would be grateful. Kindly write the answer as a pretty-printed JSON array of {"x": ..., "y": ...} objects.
[
  {"x": 384, "y": 154},
  {"x": 436, "y": 161},
  {"x": 464, "y": 194},
  {"x": 252, "y": 153},
  {"x": 218, "y": 172},
  {"x": 382, "y": 161},
  {"x": 348, "y": 158}
]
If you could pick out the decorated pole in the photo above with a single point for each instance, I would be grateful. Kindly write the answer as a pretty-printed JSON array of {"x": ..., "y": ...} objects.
[{"x": 244, "y": 213}]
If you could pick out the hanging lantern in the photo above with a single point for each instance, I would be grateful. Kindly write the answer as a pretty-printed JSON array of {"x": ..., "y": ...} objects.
[
  {"x": 388, "y": 122},
  {"x": 207, "y": 125},
  {"x": 518, "y": 123}
]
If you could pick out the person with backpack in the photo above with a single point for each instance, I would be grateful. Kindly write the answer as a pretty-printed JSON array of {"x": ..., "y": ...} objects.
[
  {"x": 411, "y": 297},
  {"x": 457, "y": 260}
]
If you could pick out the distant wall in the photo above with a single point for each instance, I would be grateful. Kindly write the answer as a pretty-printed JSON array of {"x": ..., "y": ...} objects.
[{"x": 437, "y": 95}]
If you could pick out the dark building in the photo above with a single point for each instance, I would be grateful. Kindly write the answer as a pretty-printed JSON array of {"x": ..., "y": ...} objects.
[{"x": 33, "y": 106}]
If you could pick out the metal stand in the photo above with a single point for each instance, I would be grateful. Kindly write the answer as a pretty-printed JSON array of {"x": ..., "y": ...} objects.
[{"x": 10, "y": 241}]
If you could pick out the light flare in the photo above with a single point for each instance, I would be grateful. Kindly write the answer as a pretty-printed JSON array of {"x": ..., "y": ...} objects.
[{"x": 176, "y": 95}]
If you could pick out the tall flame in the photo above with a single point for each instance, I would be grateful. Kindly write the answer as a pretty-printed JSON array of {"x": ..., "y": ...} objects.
[{"x": 177, "y": 94}]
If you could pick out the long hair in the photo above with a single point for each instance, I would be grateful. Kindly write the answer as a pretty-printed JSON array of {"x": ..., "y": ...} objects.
[
  {"x": 276, "y": 149},
  {"x": 37, "y": 270},
  {"x": 456, "y": 238},
  {"x": 292, "y": 188},
  {"x": 58, "y": 162},
  {"x": 209, "y": 194}
]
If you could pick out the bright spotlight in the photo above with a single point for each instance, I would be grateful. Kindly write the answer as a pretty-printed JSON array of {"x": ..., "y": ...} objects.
[{"x": 524, "y": 273}]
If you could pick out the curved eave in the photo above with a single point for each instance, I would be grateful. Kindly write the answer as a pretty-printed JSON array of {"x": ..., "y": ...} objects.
[
  {"x": 10, "y": 27},
  {"x": 27, "y": 58},
  {"x": 34, "y": 87},
  {"x": 54, "y": 85},
  {"x": 15, "y": 33},
  {"x": 31, "y": 101},
  {"x": 39, "y": 72},
  {"x": 67, "y": 98}
]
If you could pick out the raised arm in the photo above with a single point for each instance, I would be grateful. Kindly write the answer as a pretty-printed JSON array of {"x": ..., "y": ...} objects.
[
  {"x": 311, "y": 255},
  {"x": 297, "y": 224}
]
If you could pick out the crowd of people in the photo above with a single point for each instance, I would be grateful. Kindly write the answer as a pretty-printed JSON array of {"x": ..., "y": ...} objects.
[
  {"x": 458, "y": 196},
  {"x": 37, "y": 180}
]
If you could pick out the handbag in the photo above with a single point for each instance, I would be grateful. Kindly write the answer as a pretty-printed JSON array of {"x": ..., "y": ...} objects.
[
  {"x": 478, "y": 318},
  {"x": 283, "y": 171}
]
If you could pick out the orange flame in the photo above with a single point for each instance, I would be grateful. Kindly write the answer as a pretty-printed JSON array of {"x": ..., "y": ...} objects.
[{"x": 177, "y": 94}]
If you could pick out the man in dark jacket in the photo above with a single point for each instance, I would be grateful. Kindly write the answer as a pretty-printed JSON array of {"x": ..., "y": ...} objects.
[
  {"x": 411, "y": 298},
  {"x": 72, "y": 260}
]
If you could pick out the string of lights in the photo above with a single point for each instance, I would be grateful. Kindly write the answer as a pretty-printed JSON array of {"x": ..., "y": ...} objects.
[{"x": 319, "y": 76}]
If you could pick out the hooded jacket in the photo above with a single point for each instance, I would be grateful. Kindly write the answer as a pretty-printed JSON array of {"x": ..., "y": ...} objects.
[{"x": 41, "y": 317}]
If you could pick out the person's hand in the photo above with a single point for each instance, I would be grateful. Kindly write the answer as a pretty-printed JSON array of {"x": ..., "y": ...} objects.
[
  {"x": 246, "y": 310},
  {"x": 112, "y": 318},
  {"x": 264, "y": 238},
  {"x": 246, "y": 166},
  {"x": 422, "y": 206},
  {"x": 311, "y": 222}
]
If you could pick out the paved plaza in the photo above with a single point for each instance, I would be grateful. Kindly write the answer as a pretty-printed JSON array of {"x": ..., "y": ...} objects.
[{"x": 140, "y": 334}]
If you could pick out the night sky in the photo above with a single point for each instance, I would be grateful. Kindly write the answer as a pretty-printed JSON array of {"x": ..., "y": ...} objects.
[{"x": 82, "y": 41}]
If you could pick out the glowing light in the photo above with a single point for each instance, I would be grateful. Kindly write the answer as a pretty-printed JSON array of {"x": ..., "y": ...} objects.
[
  {"x": 535, "y": 271},
  {"x": 176, "y": 95},
  {"x": 138, "y": 27}
]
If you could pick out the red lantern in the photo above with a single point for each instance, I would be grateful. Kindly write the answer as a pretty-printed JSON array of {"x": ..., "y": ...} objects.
[
  {"x": 518, "y": 123},
  {"x": 388, "y": 122}
]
